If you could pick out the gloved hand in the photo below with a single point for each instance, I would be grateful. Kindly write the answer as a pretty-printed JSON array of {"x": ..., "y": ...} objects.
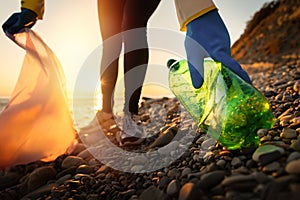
[
  {"x": 18, "y": 21},
  {"x": 209, "y": 32}
]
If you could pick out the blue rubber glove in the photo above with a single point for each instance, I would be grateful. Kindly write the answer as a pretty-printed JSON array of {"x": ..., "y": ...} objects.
[
  {"x": 207, "y": 36},
  {"x": 18, "y": 21}
]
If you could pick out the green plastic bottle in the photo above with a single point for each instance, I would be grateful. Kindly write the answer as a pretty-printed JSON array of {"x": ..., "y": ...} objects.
[{"x": 226, "y": 107}]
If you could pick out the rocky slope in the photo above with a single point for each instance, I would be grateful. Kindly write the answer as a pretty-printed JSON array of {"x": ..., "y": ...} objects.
[{"x": 272, "y": 35}]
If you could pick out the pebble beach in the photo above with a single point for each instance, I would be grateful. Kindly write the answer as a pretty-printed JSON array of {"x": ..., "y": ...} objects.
[{"x": 196, "y": 166}]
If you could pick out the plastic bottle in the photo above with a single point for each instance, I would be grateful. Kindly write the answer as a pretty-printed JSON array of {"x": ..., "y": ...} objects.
[{"x": 226, "y": 107}]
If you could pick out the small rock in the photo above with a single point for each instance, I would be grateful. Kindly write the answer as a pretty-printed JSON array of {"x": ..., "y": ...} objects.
[
  {"x": 274, "y": 166},
  {"x": 240, "y": 170},
  {"x": 85, "y": 155},
  {"x": 288, "y": 133},
  {"x": 173, "y": 173},
  {"x": 265, "y": 138},
  {"x": 82, "y": 176},
  {"x": 128, "y": 193},
  {"x": 211, "y": 179},
  {"x": 71, "y": 170},
  {"x": 71, "y": 161},
  {"x": 62, "y": 179},
  {"x": 137, "y": 168},
  {"x": 295, "y": 189},
  {"x": 296, "y": 86},
  {"x": 161, "y": 174},
  {"x": 200, "y": 140},
  {"x": 236, "y": 162},
  {"x": 296, "y": 145},
  {"x": 40, "y": 176},
  {"x": 102, "y": 169},
  {"x": 266, "y": 154},
  {"x": 44, "y": 190},
  {"x": 261, "y": 132},
  {"x": 186, "y": 171},
  {"x": 169, "y": 148},
  {"x": 173, "y": 188},
  {"x": 189, "y": 192},
  {"x": 237, "y": 179},
  {"x": 221, "y": 163},
  {"x": 78, "y": 148},
  {"x": 293, "y": 167},
  {"x": 163, "y": 182},
  {"x": 138, "y": 160},
  {"x": 152, "y": 193},
  {"x": 206, "y": 144},
  {"x": 165, "y": 138},
  {"x": 260, "y": 177},
  {"x": 293, "y": 156},
  {"x": 84, "y": 169},
  {"x": 9, "y": 180}
]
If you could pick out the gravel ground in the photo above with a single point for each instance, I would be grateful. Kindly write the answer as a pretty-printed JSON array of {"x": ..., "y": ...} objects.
[{"x": 203, "y": 169}]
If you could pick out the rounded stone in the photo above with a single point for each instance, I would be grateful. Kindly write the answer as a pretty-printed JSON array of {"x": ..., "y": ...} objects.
[
  {"x": 296, "y": 145},
  {"x": 71, "y": 161},
  {"x": 173, "y": 188},
  {"x": 293, "y": 167}
]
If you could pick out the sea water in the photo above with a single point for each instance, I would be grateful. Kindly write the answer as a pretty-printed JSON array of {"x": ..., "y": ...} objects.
[{"x": 83, "y": 109}]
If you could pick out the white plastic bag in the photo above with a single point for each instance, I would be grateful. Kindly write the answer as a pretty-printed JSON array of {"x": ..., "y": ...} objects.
[{"x": 36, "y": 124}]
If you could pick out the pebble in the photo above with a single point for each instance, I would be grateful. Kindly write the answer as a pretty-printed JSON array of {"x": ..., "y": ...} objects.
[
  {"x": 293, "y": 167},
  {"x": 44, "y": 190},
  {"x": 261, "y": 132},
  {"x": 128, "y": 193},
  {"x": 211, "y": 179},
  {"x": 71, "y": 161},
  {"x": 240, "y": 170},
  {"x": 9, "y": 179},
  {"x": 293, "y": 156},
  {"x": 288, "y": 133},
  {"x": 173, "y": 188},
  {"x": 206, "y": 144},
  {"x": 237, "y": 179},
  {"x": 164, "y": 139},
  {"x": 152, "y": 193},
  {"x": 78, "y": 148},
  {"x": 296, "y": 145},
  {"x": 221, "y": 163},
  {"x": 271, "y": 167},
  {"x": 102, "y": 169},
  {"x": 167, "y": 150},
  {"x": 137, "y": 168},
  {"x": 163, "y": 182},
  {"x": 189, "y": 192},
  {"x": 173, "y": 173},
  {"x": 40, "y": 176},
  {"x": 62, "y": 179},
  {"x": 84, "y": 169},
  {"x": 138, "y": 160},
  {"x": 266, "y": 154},
  {"x": 236, "y": 162},
  {"x": 260, "y": 177},
  {"x": 85, "y": 155},
  {"x": 186, "y": 171},
  {"x": 200, "y": 140}
]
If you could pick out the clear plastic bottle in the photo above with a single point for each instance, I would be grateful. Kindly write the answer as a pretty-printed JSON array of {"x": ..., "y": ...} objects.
[{"x": 226, "y": 107}]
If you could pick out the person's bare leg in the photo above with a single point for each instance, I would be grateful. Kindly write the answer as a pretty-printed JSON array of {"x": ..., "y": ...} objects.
[{"x": 110, "y": 20}]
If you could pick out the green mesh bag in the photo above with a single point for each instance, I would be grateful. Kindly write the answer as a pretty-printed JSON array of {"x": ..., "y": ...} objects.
[{"x": 226, "y": 107}]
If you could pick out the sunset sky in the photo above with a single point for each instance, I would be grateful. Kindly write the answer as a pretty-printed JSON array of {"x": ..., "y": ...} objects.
[{"x": 70, "y": 28}]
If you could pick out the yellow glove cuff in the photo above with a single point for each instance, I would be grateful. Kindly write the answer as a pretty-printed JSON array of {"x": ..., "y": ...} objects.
[{"x": 36, "y": 6}]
